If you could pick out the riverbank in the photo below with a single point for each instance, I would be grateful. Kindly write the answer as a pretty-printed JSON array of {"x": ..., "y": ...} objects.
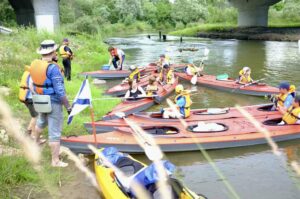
[{"x": 232, "y": 32}]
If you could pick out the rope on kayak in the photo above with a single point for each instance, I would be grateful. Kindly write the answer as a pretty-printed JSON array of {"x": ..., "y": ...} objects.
[
  {"x": 268, "y": 137},
  {"x": 228, "y": 185}
]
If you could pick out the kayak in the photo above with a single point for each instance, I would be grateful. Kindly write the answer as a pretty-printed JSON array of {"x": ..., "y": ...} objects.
[
  {"x": 150, "y": 118},
  {"x": 118, "y": 74},
  {"x": 122, "y": 74},
  {"x": 111, "y": 185},
  {"x": 136, "y": 105},
  {"x": 230, "y": 85},
  {"x": 235, "y": 132},
  {"x": 122, "y": 88}
]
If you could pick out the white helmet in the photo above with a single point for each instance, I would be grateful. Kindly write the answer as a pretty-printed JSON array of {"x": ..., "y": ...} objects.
[
  {"x": 246, "y": 69},
  {"x": 132, "y": 67}
]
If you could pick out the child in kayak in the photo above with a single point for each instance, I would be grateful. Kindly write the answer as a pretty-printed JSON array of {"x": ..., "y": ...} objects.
[
  {"x": 193, "y": 70},
  {"x": 117, "y": 57},
  {"x": 166, "y": 76},
  {"x": 163, "y": 59},
  {"x": 283, "y": 101},
  {"x": 292, "y": 115},
  {"x": 134, "y": 74},
  {"x": 244, "y": 76},
  {"x": 152, "y": 88},
  {"x": 183, "y": 102},
  {"x": 134, "y": 91}
]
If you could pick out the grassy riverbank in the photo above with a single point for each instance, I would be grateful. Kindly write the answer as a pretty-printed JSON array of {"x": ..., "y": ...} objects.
[{"x": 18, "y": 50}]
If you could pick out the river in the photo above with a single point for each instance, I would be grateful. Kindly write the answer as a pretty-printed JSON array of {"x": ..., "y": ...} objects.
[{"x": 254, "y": 172}]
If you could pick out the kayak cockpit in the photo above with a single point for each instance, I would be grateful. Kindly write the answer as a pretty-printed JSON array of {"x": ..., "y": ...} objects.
[
  {"x": 202, "y": 127},
  {"x": 275, "y": 122},
  {"x": 212, "y": 111},
  {"x": 266, "y": 108},
  {"x": 166, "y": 130}
]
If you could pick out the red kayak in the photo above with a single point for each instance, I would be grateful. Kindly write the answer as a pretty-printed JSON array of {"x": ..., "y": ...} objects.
[
  {"x": 230, "y": 85},
  {"x": 118, "y": 74},
  {"x": 227, "y": 133},
  {"x": 133, "y": 106},
  {"x": 150, "y": 118},
  {"x": 122, "y": 88}
]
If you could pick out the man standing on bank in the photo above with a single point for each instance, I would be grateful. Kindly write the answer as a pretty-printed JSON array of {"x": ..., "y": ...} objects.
[
  {"x": 67, "y": 55},
  {"x": 48, "y": 81}
]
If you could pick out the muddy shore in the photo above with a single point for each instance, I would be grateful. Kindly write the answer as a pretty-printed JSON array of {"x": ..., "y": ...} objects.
[{"x": 258, "y": 33}]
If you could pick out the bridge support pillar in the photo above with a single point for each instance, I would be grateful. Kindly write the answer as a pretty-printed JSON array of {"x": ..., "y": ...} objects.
[
  {"x": 46, "y": 14},
  {"x": 253, "y": 12}
]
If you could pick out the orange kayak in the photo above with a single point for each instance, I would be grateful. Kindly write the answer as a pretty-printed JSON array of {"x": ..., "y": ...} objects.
[
  {"x": 235, "y": 132},
  {"x": 150, "y": 118},
  {"x": 230, "y": 85},
  {"x": 133, "y": 106}
]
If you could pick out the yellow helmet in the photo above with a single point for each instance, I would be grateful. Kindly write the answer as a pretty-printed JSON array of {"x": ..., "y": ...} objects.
[
  {"x": 292, "y": 88},
  {"x": 179, "y": 88}
]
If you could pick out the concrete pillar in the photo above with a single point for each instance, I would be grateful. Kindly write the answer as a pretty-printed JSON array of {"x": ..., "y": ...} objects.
[
  {"x": 24, "y": 12},
  {"x": 46, "y": 14},
  {"x": 253, "y": 12}
]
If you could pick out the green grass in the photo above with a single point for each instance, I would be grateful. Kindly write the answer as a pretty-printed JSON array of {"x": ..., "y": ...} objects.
[
  {"x": 18, "y": 50},
  {"x": 192, "y": 31}
]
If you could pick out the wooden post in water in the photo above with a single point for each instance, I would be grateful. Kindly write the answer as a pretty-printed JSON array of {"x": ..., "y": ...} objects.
[
  {"x": 149, "y": 37},
  {"x": 159, "y": 33},
  {"x": 164, "y": 37},
  {"x": 180, "y": 39}
]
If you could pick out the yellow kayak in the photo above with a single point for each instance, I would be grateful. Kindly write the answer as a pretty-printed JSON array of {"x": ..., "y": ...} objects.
[{"x": 111, "y": 188}]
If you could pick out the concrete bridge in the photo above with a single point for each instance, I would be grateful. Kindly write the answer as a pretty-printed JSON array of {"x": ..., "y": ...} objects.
[{"x": 44, "y": 14}]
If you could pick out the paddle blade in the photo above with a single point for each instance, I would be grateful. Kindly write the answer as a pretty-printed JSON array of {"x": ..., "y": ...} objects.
[
  {"x": 194, "y": 80},
  {"x": 120, "y": 114}
]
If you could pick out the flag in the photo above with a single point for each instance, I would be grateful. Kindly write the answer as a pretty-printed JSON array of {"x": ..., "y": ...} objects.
[{"x": 82, "y": 100}]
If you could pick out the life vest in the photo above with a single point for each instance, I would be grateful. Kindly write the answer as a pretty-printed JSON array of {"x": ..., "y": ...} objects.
[
  {"x": 151, "y": 89},
  {"x": 192, "y": 68},
  {"x": 135, "y": 94},
  {"x": 169, "y": 76},
  {"x": 24, "y": 85},
  {"x": 281, "y": 98},
  {"x": 62, "y": 52},
  {"x": 243, "y": 78},
  {"x": 38, "y": 72},
  {"x": 291, "y": 116},
  {"x": 292, "y": 90},
  {"x": 186, "y": 110},
  {"x": 114, "y": 52},
  {"x": 135, "y": 75}
]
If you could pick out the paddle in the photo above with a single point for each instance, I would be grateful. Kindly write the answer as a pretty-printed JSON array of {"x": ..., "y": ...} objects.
[
  {"x": 249, "y": 84},
  {"x": 152, "y": 151},
  {"x": 200, "y": 68}
]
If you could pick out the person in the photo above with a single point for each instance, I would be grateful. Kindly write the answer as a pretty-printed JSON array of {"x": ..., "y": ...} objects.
[
  {"x": 292, "y": 90},
  {"x": 48, "y": 80},
  {"x": 244, "y": 76},
  {"x": 117, "y": 57},
  {"x": 183, "y": 102},
  {"x": 163, "y": 59},
  {"x": 152, "y": 88},
  {"x": 283, "y": 101},
  {"x": 292, "y": 115},
  {"x": 192, "y": 70},
  {"x": 134, "y": 74},
  {"x": 166, "y": 76},
  {"x": 67, "y": 55},
  {"x": 134, "y": 91},
  {"x": 25, "y": 96}
]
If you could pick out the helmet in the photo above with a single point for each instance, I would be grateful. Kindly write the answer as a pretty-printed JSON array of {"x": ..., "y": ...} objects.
[
  {"x": 179, "y": 88},
  {"x": 292, "y": 88},
  {"x": 284, "y": 85},
  {"x": 132, "y": 67},
  {"x": 166, "y": 65},
  {"x": 246, "y": 69}
]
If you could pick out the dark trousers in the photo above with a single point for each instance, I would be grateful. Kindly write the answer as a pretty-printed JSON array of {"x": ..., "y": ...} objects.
[
  {"x": 67, "y": 67},
  {"x": 116, "y": 60}
]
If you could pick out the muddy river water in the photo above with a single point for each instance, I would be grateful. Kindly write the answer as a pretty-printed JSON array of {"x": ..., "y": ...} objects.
[{"x": 254, "y": 172}]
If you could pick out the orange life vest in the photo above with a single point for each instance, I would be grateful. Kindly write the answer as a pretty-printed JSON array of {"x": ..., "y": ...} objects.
[
  {"x": 291, "y": 116},
  {"x": 42, "y": 84}
]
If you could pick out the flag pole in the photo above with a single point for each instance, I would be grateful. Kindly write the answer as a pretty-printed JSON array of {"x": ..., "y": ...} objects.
[{"x": 92, "y": 114}]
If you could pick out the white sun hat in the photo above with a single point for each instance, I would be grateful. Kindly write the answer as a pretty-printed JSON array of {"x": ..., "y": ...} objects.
[{"x": 47, "y": 46}]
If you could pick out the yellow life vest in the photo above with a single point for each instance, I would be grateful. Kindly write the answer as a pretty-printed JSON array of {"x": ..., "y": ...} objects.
[
  {"x": 151, "y": 89},
  {"x": 135, "y": 75},
  {"x": 24, "y": 85},
  {"x": 281, "y": 98},
  {"x": 170, "y": 77},
  {"x": 38, "y": 72},
  {"x": 186, "y": 110},
  {"x": 62, "y": 52},
  {"x": 291, "y": 116},
  {"x": 243, "y": 78}
]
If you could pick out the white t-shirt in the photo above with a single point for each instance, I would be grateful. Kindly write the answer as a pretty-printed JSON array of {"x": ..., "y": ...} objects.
[{"x": 120, "y": 52}]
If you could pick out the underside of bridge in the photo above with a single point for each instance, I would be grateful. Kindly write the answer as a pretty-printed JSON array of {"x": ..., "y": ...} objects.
[
  {"x": 253, "y": 12},
  {"x": 44, "y": 14}
]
